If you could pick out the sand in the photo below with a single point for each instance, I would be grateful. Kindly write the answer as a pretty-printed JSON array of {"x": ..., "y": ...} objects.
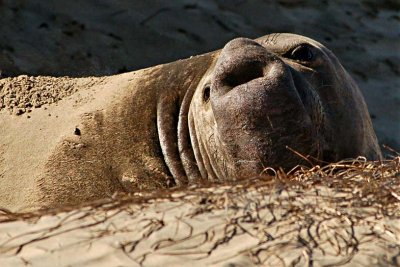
[
  {"x": 24, "y": 93},
  {"x": 313, "y": 218}
]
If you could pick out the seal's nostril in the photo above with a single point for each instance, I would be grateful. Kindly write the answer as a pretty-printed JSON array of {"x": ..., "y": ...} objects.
[{"x": 244, "y": 73}]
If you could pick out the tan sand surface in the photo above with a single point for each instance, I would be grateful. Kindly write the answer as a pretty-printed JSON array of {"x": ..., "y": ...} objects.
[{"x": 313, "y": 218}]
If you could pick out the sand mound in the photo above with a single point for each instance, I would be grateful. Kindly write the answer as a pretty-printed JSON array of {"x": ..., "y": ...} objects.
[
  {"x": 21, "y": 94},
  {"x": 24, "y": 93},
  {"x": 345, "y": 214}
]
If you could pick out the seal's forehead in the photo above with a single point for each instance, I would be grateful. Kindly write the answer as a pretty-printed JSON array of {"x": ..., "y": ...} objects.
[{"x": 284, "y": 41}]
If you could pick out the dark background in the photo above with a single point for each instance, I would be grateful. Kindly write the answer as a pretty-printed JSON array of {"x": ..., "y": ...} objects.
[{"x": 104, "y": 37}]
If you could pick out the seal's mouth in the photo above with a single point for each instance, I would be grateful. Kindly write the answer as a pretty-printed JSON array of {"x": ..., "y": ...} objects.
[{"x": 310, "y": 99}]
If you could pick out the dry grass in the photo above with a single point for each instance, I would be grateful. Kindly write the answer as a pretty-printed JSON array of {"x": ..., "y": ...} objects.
[{"x": 361, "y": 178}]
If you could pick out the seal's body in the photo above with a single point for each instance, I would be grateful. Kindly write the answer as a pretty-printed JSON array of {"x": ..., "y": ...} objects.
[{"x": 220, "y": 116}]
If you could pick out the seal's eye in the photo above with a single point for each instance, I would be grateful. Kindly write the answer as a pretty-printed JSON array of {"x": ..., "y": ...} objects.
[
  {"x": 206, "y": 93},
  {"x": 302, "y": 52}
]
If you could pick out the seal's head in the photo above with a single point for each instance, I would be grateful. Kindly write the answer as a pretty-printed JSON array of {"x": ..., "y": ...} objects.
[{"x": 262, "y": 100}]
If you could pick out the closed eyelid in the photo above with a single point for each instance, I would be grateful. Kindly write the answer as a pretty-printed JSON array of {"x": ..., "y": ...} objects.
[
  {"x": 287, "y": 47},
  {"x": 292, "y": 47}
]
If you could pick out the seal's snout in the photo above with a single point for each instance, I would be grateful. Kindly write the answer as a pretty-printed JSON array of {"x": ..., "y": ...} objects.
[
  {"x": 257, "y": 109},
  {"x": 241, "y": 60}
]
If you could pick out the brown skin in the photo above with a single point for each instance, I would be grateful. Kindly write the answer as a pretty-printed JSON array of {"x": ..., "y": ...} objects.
[{"x": 220, "y": 116}]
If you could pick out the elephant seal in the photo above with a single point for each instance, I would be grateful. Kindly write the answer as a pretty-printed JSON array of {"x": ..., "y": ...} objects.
[{"x": 224, "y": 115}]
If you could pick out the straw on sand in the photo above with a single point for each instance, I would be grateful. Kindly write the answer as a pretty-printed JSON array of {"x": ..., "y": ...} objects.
[{"x": 342, "y": 214}]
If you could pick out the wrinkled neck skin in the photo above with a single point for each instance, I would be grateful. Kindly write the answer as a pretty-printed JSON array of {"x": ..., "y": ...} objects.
[
  {"x": 176, "y": 134},
  {"x": 189, "y": 139},
  {"x": 209, "y": 150}
]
